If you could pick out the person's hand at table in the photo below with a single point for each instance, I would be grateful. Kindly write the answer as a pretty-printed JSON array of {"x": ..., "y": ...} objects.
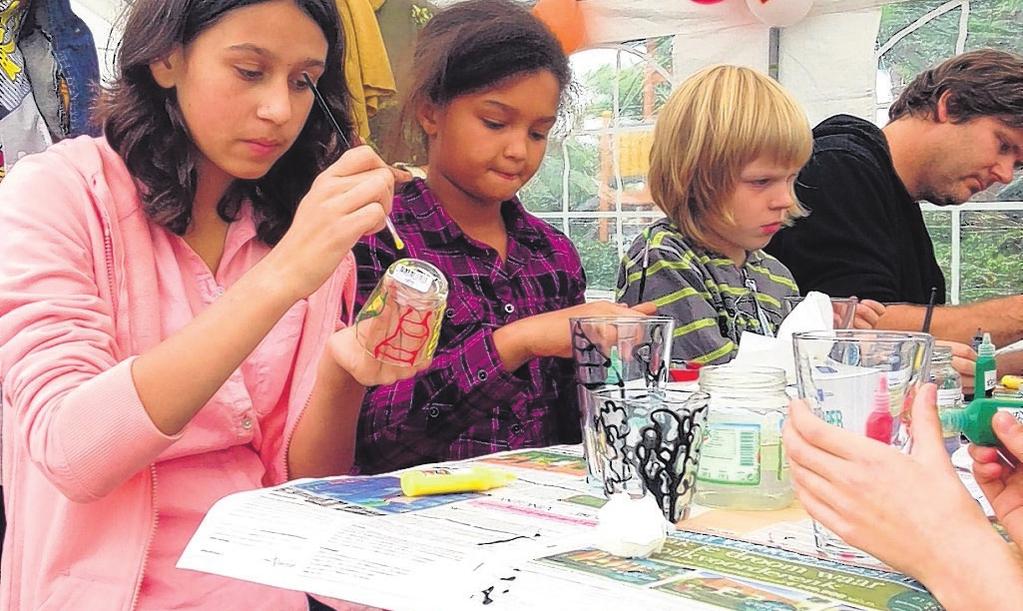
[
  {"x": 868, "y": 312},
  {"x": 549, "y": 334},
  {"x": 909, "y": 510},
  {"x": 1001, "y": 484},
  {"x": 964, "y": 361}
]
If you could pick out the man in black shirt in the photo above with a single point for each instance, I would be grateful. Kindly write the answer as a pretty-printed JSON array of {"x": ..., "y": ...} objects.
[{"x": 955, "y": 130}]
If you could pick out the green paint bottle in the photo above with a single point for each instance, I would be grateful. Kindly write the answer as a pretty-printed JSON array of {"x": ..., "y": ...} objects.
[
  {"x": 974, "y": 420},
  {"x": 985, "y": 370}
]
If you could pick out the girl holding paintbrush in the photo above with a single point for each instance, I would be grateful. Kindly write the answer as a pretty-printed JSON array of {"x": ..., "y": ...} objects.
[
  {"x": 489, "y": 79},
  {"x": 169, "y": 298}
]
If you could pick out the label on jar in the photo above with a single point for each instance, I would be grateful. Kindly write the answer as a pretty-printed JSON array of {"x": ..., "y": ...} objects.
[
  {"x": 731, "y": 455},
  {"x": 950, "y": 398},
  {"x": 411, "y": 277}
]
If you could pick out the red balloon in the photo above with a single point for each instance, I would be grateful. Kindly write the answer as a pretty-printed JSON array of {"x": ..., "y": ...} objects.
[{"x": 565, "y": 19}]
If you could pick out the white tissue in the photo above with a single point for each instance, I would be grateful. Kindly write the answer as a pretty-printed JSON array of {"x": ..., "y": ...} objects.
[
  {"x": 630, "y": 527},
  {"x": 813, "y": 313}
]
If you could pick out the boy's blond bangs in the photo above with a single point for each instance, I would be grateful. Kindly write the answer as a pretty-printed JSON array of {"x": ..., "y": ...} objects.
[{"x": 718, "y": 121}]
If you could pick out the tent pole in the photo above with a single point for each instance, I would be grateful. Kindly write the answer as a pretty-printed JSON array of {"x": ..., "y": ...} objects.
[{"x": 773, "y": 45}]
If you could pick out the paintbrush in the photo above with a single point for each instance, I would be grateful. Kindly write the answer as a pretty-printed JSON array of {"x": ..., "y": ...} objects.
[
  {"x": 398, "y": 243},
  {"x": 930, "y": 310}
]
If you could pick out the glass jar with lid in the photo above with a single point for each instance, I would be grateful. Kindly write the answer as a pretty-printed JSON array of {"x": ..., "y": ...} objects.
[
  {"x": 950, "y": 389},
  {"x": 742, "y": 464}
]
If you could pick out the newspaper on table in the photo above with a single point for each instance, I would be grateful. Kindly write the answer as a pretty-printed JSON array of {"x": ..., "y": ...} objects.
[{"x": 523, "y": 546}]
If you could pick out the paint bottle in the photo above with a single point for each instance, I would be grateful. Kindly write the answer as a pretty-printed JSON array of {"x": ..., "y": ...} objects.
[
  {"x": 977, "y": 338},
  {"x": 448, "y": 480},
  {"x": 1012, "y": 382},
  {"x": 985, "y": 370},
  {"x": 974, "y": 421},
  {"x": 742, "y": 463}
]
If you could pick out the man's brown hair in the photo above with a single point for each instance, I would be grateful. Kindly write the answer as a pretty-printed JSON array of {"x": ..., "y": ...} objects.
[{"x": 982, "y": 83}]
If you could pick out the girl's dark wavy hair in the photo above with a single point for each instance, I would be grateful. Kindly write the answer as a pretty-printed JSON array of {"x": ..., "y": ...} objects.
[
  {"x": 143, "y": 122},
  {"x": 472, "y": 46}
]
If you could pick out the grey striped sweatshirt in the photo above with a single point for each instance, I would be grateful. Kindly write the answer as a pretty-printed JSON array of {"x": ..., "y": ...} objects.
[{"x": 712, "y": 300}]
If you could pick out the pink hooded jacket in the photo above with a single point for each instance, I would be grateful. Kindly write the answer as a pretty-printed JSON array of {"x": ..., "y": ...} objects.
[{"x": 77, "y": 301}]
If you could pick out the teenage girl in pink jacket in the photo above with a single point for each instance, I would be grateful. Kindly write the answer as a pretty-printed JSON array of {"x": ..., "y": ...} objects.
[{"x": 170, "y": 299}]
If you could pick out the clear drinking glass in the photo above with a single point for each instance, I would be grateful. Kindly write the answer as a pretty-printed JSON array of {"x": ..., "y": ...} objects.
[
  {"x": 400, "y": 323},
  {"x": 651, "y": 443},
  {"x": 844, "y": 309},
  {"x": 621, "y": 351},
  {"x": 863, "y": 381}
]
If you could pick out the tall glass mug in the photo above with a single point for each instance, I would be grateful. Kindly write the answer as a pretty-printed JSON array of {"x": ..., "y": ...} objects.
[
  {"x": 400, "y": 323},
  {"x": 843, "y": 309},
  {"x": 863, "y": 381},
  {"x": 620, "y": 351}
]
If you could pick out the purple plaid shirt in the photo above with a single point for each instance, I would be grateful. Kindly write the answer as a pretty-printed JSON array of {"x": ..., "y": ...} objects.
[{"x": 466, "y": 404}]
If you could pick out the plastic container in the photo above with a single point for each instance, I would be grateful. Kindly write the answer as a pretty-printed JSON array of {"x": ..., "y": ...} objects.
[
  {"x": 974, "y": 421},
  {"x": 451, "y": 480},
  {"x": 742, "y": 465},
  {"x": 986, "y": 376}
]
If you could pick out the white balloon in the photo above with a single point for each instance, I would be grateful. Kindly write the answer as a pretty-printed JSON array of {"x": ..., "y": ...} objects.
[{"x": 779, "y": 13}]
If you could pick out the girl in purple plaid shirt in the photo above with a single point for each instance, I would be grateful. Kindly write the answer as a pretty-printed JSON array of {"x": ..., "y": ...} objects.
[{"x": 489, "y": 79}]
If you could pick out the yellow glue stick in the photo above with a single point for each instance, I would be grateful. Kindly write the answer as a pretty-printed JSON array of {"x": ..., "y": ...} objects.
[
  {"x": 446, "y": 480},
  {"x": 1012, "y": 382}
]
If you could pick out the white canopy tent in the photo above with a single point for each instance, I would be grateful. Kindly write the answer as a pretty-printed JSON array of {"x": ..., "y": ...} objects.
[
  {"x": 827, "y": 59},
  {"x": 835, "y": 60}
]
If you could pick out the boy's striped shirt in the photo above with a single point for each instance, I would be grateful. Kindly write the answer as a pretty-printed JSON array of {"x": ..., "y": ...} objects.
[{"x": 711, "y": 299}]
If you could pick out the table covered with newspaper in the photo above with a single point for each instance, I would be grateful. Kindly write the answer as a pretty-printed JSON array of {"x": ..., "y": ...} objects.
[{"x": 527, "y": 545}]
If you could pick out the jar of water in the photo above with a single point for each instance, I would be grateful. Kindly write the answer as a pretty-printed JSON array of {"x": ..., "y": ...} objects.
[
  {"x": 742, "y": 464},
  {"x": 950, "y": 389}
]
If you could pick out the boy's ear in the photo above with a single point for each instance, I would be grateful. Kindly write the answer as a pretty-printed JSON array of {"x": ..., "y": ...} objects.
[
  {"x": 427, "y": 117},
  {"x": 167, "y": 71}
]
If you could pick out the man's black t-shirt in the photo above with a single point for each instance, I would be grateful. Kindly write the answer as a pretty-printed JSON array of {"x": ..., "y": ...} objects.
[{"x": 865, "y": 235}]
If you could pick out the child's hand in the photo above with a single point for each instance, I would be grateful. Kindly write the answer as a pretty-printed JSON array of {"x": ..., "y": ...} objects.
[
  {"x": 351, "y": 356},
  {"x": 550, "y": 334},
  {"x": 868, "y": 312},
  {"x": 1002, "y": 485},
  {"x": 347, "y": 201}
]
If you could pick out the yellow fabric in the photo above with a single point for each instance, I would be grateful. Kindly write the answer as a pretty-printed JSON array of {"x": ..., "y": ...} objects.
[{"x": 367, "y": 69}]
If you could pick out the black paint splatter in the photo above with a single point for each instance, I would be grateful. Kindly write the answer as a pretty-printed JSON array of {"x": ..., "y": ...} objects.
[{"x": 486, "y": 595}]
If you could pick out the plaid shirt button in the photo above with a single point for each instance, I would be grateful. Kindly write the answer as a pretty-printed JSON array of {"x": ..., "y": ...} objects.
[{"x": 482, "y": 375}]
